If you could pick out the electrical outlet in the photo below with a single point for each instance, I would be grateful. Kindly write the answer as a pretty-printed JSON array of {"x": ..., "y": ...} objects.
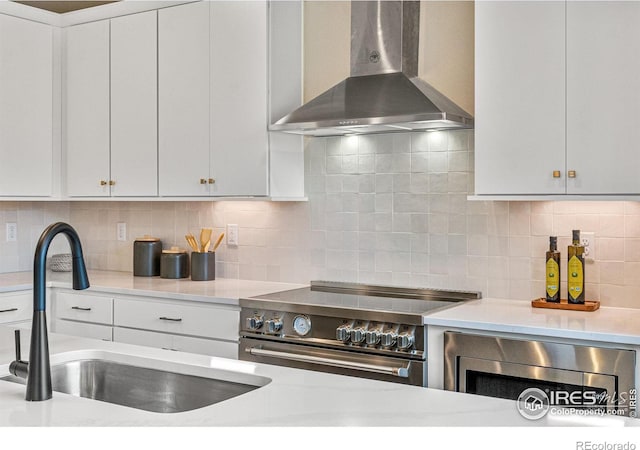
[
  {"x": 12, "y": 232},
  {"x": 588, "y": 241},
  {"x": 121, "y": 231},
  {"x": 232, "y": 234}
]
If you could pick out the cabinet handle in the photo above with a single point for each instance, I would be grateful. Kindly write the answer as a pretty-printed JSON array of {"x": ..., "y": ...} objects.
[
  {"x": 203, "y": 181},
  {"x": 171, "y": 319},
  {"x": 212, "y": 180},
  {"x": 556, "y": 174},
  {"x": 103, "y": 183},
  {"x": 8, "y": 310},
  {"x": 571, "y": 174},
  {"x": 112, "y": 183},
  {"x": 80, "y": 308},
  {"x": 170, "y": 349}
]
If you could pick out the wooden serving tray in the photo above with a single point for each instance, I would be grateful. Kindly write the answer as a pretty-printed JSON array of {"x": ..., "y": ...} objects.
[{"x": 588, "y": 305}]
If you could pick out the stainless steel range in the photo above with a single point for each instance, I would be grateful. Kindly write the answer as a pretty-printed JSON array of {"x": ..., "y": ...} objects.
[{"x": 349, "y": 329}]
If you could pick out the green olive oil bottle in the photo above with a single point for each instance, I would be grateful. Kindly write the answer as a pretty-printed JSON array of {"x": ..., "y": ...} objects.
[
  {"x": 575, "y": 270},
  {"x": 553, "y": 271}
]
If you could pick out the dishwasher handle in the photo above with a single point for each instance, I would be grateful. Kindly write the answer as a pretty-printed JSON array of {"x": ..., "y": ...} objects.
[{"x": 402, "y": 372}]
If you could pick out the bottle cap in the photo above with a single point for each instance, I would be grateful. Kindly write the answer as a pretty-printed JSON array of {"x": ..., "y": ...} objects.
[{"x": 576, "y": 235}]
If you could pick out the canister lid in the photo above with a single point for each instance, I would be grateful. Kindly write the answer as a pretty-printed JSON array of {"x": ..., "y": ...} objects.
[
  {"x": 174, "y": 250},
  {"x": 147, "y": 238}
]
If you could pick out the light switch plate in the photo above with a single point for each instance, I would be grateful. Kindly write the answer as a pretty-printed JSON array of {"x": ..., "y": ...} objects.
[
  {"x": 232, "y": 234},
  {"x": 588, "y": 240},
  {"x": 12, "y": 232},
  {"x": 121, "y": 231}
]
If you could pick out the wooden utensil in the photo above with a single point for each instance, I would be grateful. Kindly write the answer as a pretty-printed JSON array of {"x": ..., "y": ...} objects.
[
  {"x": 205, "y": 238},
  {"x": 191, "y": 240},
  {"x": 218, "y": 241}
]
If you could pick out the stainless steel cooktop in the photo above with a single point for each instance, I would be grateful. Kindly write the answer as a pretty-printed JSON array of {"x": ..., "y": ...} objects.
[{"x": 359, "y": 301}]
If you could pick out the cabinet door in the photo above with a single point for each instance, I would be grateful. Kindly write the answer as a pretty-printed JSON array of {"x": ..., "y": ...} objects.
[
  {"x": 173, "y": 342},
  {"x": 89, "y": 330},
  {"x": 26, "y": 109},
  {"x": 87, "y": 107},
  {"x": 134, "y": 90},
  {"x": 520, "y": 97},
  {"x": 16, "y": 307},
  {"x": 183, "y": 93},
  {"x": 603, "y": 97},
  {"x": 239, "y": 140}
]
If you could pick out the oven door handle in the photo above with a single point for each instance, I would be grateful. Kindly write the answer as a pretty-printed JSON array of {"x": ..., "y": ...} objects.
[{"x": 402, "y": 372}]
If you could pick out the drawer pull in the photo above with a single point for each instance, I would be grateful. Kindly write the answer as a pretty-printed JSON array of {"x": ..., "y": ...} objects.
[
  {"x": 171, "y": 319},
  {"x": 8, "y": 310},
  {"x": 170, "y": 349},
  {"x": 79, "y": 308}
]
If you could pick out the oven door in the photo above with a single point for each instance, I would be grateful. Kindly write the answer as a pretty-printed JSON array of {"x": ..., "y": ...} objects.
[
  {"x": 507, "y": 380},
  {"x": 341, "y": 362}
]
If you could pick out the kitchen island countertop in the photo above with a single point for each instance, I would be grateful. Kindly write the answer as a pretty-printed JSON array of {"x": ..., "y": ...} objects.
[{"x": 293, "y": 398}]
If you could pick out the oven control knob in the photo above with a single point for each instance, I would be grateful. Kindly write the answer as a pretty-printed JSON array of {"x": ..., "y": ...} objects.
[
  {"x": 388, "y": 339},
  {"x": 273, "y": 325},
  {"x": 357, "y": 335},
  {"x": 372, "y": 337},
  {"x": 255, "y": 322},
  {"x": 343, "y": 333},
  {"x": 405, "y": 341}
]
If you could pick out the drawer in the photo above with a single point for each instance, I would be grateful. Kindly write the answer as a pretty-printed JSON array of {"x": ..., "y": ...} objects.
[
  {"x": 84, "y": 307},
  {"x": 16, "y": 307},
  {"x": 201, "y": 321},
  {"x": 88, "y": 330},
  {"x": 177, "y": 343}
]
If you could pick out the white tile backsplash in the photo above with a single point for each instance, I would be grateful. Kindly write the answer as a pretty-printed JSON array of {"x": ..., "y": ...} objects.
[{"x": 388, "y": 209}]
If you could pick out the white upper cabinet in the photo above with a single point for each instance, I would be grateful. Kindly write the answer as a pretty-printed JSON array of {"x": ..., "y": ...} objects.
[
  {"x": 520, "y": 97},
  {"x": 603, "y": 97},
  {"x": 152, "y": 103},
  {"x": 87, "y": 109},
  {"x": 183, "y": 93},
  {"x": 26, "y": 108},
  {"x": 239, "y": 140},
  {"x": 111, "y": 83},
  {"x": 557, "y": 98},
  {"x": 134, "y": 106}
]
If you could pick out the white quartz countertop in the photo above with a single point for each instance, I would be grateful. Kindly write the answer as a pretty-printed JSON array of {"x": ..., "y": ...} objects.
[
  {"x": 292, "y": 398},
  {"x": 615, "y": 325},
  {"x": 221, "y": 290}
]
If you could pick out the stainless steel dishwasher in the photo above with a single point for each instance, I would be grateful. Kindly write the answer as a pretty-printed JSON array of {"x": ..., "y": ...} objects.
[{"x": 576, "y": 376}]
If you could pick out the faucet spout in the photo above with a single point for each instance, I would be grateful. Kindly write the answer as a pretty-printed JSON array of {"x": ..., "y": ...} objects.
[{"x": 39, "y": 367}]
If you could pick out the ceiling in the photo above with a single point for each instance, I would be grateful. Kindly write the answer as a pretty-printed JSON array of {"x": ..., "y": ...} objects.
[{"x": 62, "y": 7}]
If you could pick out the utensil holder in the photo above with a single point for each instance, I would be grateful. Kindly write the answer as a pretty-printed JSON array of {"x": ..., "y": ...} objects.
[{"x": 203, "y": 266}]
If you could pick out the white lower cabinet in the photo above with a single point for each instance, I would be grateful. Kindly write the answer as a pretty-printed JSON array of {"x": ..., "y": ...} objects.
[
  {"x": 81, "y": 329},
  {"x": 16, "y": 307},
  {"x": 178, "y": 318},
  {"x": 84, "y": 307},
  {"x": 204, "y": 328},
  {"x": 176, "y": 343},
  {"x": 189, "y": 327}
]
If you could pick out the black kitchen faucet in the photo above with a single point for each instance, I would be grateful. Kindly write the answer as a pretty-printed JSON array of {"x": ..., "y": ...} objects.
[{"x": 37, "y": 370}]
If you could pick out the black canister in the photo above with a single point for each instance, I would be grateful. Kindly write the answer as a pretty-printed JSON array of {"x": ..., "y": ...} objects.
[
  {"x": 174, "y": 263},
  {"x": 203, "y": 266},
  {"x": 146, "y": 256}
]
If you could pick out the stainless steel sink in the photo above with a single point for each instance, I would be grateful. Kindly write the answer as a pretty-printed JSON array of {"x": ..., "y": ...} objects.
[{"x": 139, "y": 387}]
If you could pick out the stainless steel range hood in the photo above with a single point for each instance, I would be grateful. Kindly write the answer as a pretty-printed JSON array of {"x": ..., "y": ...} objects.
[{"x": 383, "y": 93}]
